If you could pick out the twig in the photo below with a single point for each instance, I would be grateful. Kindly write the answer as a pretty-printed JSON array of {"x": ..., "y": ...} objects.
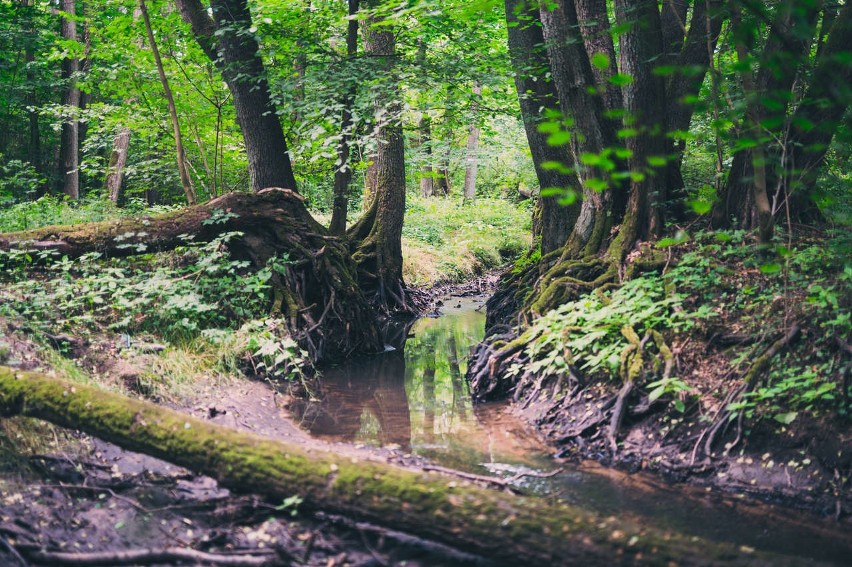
[
  {"x": 521, "y": 475},
  {"x": 14, "y": 552},
  {"x": 154, "y": 556},
  {"x": 503, "y": 483}
]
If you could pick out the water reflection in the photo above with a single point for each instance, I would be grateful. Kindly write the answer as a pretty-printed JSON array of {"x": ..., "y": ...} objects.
[{"x": 416, "y": 397}]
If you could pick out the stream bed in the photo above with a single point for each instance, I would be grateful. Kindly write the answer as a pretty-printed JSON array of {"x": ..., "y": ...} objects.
[{"x": 414, "y": 399}]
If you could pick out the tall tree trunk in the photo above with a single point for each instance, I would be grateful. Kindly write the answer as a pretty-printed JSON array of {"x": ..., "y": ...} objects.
[
  {"x": 34, "y": 145},
  {"x": 471, "y": 158},
  {"x": 819, "y": 114},
  {"x": 644, "y": 105},
  {"x": 185, "y": 180},
  {"x": 69, "y": 157},
  {"x": 752, "y": 131},
  {"x": 343, "y": 173},
  {"x": 527, "y": 50},
  {"x": 683, "y": 84},
  {"x": 377, "y": 236},
  {"x": 424, "y": 129},
  {"x": 597, "y": 39},
  {"x": 787, "y": 46},
  {"x": 427, "y": 175},
  {"x": 114, "y": 182},
  {"x": 572, "y": 73},
  {"x": 226, "y": 40}
]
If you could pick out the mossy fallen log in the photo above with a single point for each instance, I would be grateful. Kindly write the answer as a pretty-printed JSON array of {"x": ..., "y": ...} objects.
[
  {"x": 494, "y": 524},
  {"x": 314, "y": 279}
]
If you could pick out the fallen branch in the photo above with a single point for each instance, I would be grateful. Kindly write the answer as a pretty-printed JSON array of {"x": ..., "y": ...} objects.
[
  {"x": 153, "y": 556},
  {"x": 494, "y": 524}
]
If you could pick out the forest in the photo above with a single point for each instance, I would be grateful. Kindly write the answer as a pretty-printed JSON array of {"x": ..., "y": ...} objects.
[{"x": 425, "y": 282}]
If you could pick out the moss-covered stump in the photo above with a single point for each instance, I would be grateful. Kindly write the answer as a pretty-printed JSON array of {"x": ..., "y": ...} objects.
[
  {"x": 494, "y": 524},
  {"x": 314, "y": 280}
]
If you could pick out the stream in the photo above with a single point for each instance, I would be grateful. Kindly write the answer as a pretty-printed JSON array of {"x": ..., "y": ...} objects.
[{"x": 413, "y": 398}]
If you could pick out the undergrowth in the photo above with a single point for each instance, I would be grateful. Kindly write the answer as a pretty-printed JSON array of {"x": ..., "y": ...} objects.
[
  {"x": 719, "y": 284},
  {"x": 447, "y": 241}
]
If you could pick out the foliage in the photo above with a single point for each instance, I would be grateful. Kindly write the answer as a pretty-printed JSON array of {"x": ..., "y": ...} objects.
[
  {"x": 176, "y": 297},
  {"x": 587, "y": 333}
]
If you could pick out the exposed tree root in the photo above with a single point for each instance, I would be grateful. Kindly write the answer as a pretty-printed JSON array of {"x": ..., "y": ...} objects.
[
  {"x": 314, "y": 283},
  {"x": 751, "y": 379}
]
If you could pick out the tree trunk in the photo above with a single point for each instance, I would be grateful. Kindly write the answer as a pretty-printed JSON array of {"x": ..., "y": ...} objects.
[
  {"x": 526, "y": 48},
  {"x": 114, "y": 182},
  {"x": 572, "y": 73},
  {"x": 644, "y": 105},
  {"x": 787, "y": 46},
  {"x": 427, "y": 175},
  {"x": 377, "y": 237},
  {"x": 471, "y": 158},
  {"x": 343, "y": 173},
  {"x": 444, "y": 509},
  {"x": 819, "y": 115},
  {"x": 597, "y": 39},
  {"x": 317, "y": 293},
  {"x": 226, "y": 40},
  {"x": 69, "y": 158},
  {"x": 185, "y": 180}
]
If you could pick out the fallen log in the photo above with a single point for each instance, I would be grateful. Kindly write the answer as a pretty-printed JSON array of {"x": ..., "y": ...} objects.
[
  {"x": 494, "y": 524},
  {"x": 314, "y": 279}
]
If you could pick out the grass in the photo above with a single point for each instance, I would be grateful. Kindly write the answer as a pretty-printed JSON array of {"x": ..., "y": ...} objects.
[{"x": 447, "y": 241}]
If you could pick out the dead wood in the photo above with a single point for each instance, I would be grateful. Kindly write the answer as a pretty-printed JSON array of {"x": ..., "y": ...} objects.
[{"x": 490, "y": 523}]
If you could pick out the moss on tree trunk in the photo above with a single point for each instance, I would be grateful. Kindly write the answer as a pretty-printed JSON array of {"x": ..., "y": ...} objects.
[{"x": 494, "y": 524}]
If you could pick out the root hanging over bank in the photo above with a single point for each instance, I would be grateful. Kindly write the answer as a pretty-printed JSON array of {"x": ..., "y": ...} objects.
[{"x": 314, "y": 282}]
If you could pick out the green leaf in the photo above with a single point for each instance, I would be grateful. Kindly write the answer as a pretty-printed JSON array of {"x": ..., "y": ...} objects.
[
  {"x": 600, "y": 60},
  {"x": 700, "y": 207},
  {"x": 621, "y": 80},
  {"x": 596, "y": 184},
  {"x": 786, "y": 418},
  {"x": 559, "y": 138},
  {"x": 770, "y": 268}
]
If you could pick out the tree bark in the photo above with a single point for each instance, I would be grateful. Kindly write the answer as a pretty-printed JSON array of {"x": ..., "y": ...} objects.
[
  {"x": 226, "y": 40},
  {"x": 471, "y": 158},
  {"x": 572, "y": 73},
  {"x": 377, "y": 237},
  {"x": 316, "y": 294},
  {"x": 597, "y": 39},
  {"x": 787, "y": 46},
  {"x": 644, "y": 105},
  {"x": 819, "y": 114},
  {"x": 343, "y": 173},
  {"x": 427, "y": 175},
  {"x": 114, "y": 182},
  {"x": 69, "y": 157},
  {"x": 441, "y": 508},
  {"x": 529, "y": 57},
  {"x": 185, "y": 180}
]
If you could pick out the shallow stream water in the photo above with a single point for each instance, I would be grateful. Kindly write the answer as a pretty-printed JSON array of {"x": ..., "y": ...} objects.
[{"x": 414, "y": 397}]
